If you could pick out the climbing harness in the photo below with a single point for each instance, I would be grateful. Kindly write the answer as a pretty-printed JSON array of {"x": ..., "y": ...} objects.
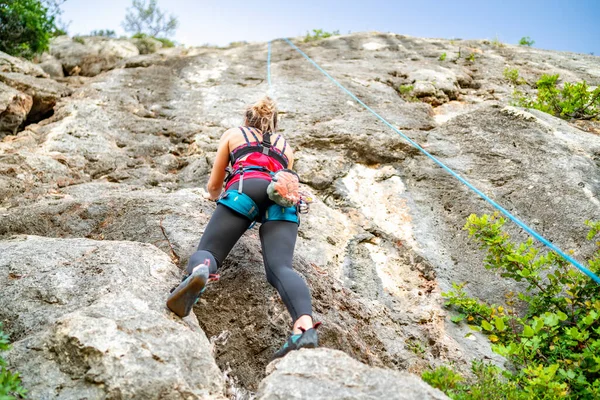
[{"x": 517, "y": 221}]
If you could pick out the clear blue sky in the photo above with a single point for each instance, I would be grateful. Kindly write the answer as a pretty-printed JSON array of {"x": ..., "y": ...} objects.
[{"x": 571, "y": 25}]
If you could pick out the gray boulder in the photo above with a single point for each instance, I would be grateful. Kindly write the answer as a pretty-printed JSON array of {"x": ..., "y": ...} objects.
[
  {"x": 90, "y": 56},
  {"x": 322, "y": 374},
  {"x": 51, "y": 66},
  {"x": 13, "y": 64},
  {"x": 88, "y": 321},
  {"x": 14, "y": 107},
  {"x": 44, "y": 92}
]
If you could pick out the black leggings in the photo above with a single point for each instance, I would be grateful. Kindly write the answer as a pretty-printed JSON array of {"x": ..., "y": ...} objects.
[{"x": 277, "y": 238}]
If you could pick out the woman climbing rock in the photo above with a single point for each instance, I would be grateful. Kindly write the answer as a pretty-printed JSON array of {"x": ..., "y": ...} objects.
[{"x": 260, "y": 187}]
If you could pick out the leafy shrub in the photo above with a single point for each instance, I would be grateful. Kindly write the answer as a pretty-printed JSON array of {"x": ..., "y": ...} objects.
[
  {"x": 554, "y": 343},
  {"x": 442, "y": 57},
  {"x": 78, "y": 39},
  {"x": 104, "y": 33},
  {"x": 497, "y": 43},
  {"x": 406, "y": 92},
  {"x": 149, "y": 20},
  {"x": 526, "y": 41},
  {"x": 487, "y": 383},
  {"x": 166, "y": 42},
  {"x": 319, "y": 34},
  {"x": 471, "y": 57},
  {"x": 10, "y": 383},
  {"x": 573, "y": 101},
  {"x": 25, "y": 27},
  {"x": 512, "y": 75}
]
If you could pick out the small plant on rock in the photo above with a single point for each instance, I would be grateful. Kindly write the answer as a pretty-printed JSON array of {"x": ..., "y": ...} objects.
[
  {"x": 573, "y": 101},
  {"x": 10, "y": 383},
  {"x": 406, "y": 92},
  {"x": 104, "y": 33},
  {"x": 471, "y": 57},
  {"x": 497, "y": 43},
  {"x": 442, "y": 57},
  {"x": 319, "y": 34},
  {"x": 550, "y": 332},
  {"x": 526, "y": 41},
  {"x": 512, "y": 75},
  {"x": 78, "y": 39}
]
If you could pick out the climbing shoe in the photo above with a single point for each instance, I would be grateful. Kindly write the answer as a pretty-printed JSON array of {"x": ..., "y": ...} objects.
[
  {"x": 307, "y": 339},
  {"x": 183, "y": 297}
]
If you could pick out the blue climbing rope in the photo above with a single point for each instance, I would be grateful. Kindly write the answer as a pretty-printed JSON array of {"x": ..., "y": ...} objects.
[
  {"x": 517, "y": 221},
  {"x": 269, "y": 67}
]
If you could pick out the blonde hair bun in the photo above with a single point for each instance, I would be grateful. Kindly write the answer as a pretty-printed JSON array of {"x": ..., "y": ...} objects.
[{"x": 262, "y": 115}]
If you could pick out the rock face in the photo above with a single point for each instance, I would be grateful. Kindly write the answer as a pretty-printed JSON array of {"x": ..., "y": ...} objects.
[
  {"x": 324, "y": 374},
  {"x": 89, "y": 321},
  {"x": 14, "y": 107},
  {"x": 124, "y": 158},
  {"x": 43, "y": 91},
  {"x": 89, "y": 56}
]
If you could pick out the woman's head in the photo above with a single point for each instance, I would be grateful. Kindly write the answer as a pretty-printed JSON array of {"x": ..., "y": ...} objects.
[{"x": 262, "y": 115}]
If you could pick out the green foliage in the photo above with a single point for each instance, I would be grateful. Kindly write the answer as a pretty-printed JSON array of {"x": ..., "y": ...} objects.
[
  {"x": 78, "y": 39},
  {"x": 167, "y": 43},
  {"x": 471, "y": 57},
  {"x": 512, "y": 75},
  {"x": 442, "y": 57},
  {"x": 104, "y": 33},
  {"x": 147, "y": 45},
  {"x": 487, "y": 383},
  {"x": 149, "y": 20},
  {"x": 10, "y": 383},
  {"x": 406, "y": 92},
  {"x": 551, "y": 331},
  {"x": 526, "y": 41},
  {"x": 573, "y": 101},
  {"x": 319, "y": 34},
  {"x": 26, "y": 27},
  {"x": 405, "y": 89},
  {"x": 497, "y": 43}
]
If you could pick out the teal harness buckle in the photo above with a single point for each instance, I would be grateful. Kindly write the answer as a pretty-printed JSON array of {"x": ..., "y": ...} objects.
[
  {"x": 240, "y": 203},
  {"x": 278, "y": 213}
]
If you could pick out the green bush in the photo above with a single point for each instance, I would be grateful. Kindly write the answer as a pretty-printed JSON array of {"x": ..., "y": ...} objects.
[
  {"x": 166, "y": 42},
  {"x": 512, "y": 75},
  {"x": 10, "y": 383},
  {"x": 551, "y": 331},
  {"x": 487, "y": 383},
  {"x": 573, "y": 101},
  {"x": 104, "y": 33},
  {"x": 25, "y": 27},
  {"x": 319, "y": 34},
  {"x": 526, "y": 41},
  {"x": 442, "y": 57}
]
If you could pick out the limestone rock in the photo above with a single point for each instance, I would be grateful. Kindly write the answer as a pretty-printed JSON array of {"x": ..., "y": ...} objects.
[
  {"x": 51, "y": 66},
  {"x": 44, "y": 92},
  {"x": 13, "y": 64},
  {"x": 93, "y": 56},
  {"x": 88, "y": 320},
  {"x": 324, "y": 374},
  {"x": 14, "y": 107}
]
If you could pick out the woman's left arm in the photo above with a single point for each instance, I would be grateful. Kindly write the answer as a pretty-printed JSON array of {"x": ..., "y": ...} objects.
[{"x": 217, "y": 175}]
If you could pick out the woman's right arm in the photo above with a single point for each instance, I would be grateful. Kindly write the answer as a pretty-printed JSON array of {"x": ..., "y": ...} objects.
[{"x": 217, "y": 175}]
